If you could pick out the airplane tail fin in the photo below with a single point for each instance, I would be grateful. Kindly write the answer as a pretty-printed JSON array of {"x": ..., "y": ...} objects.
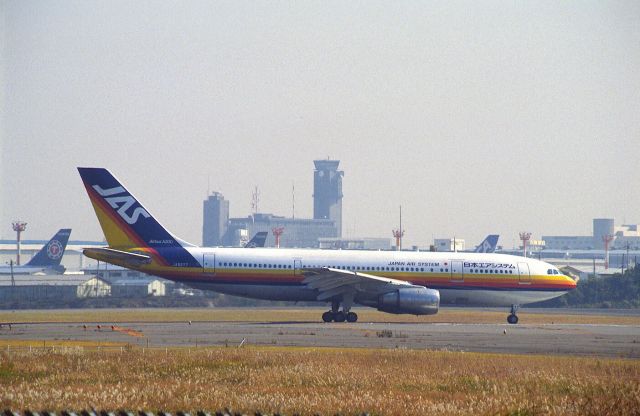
[
  {"x": 126, "y": 223},
  {"x": 51, "y": 254},
  {"x": 488, "y": 245},
  {"x": 258, "y": 240}
]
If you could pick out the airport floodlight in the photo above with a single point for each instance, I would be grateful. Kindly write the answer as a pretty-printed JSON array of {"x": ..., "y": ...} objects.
[
  {"x": 18, "y": 227},
  {"x": 277, "y": 232},
  {"x": 525, "y": 237},
  {"x": 399, "y": 233}
]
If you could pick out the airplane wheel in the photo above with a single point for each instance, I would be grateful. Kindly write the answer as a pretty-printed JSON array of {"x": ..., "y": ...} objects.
[
  {"x": 327, "y": 316},
  {"x": 352, "y": 317},
  {"x": 512, "y": 319},
  {"x": 339, "y": 317}
]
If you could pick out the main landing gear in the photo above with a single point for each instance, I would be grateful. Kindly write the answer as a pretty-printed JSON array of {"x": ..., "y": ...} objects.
[
  {"x": 513, "y": 318},
  {"x": 340, "y": 315}
]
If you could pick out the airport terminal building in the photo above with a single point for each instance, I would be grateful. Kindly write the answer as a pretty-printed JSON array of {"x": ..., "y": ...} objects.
[{"x": 623, "y": 236}]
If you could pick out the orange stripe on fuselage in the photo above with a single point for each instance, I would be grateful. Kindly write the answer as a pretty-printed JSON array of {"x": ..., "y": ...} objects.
[{"x": 243, "y": 276}]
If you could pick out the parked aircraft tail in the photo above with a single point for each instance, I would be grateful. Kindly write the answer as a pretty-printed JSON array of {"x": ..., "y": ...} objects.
[
  {"x": 488, "y": 245},
  {"x": 258, "y": 240},
  {"x": 51, "y": 254}
]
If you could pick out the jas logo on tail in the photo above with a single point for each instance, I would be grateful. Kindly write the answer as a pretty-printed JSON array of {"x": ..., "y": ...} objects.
[{"x": 122, "y": 203}]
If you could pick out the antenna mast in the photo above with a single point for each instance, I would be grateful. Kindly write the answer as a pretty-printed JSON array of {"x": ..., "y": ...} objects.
[{"x": 255, "y": 198}]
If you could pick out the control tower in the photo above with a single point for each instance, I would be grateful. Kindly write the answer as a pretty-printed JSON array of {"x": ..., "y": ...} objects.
[{"x": 327, "y": 192}]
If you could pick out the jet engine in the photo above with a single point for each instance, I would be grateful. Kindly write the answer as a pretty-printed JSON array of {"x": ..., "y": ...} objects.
[{"x": 412, "y": 300}]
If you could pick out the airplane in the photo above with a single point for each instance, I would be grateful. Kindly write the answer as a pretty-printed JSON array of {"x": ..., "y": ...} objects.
[
  {"x": 257, "y": 240},
  {"x": 48, "y": 258},
  {"x": 398, "y": 282},
  {"x": 488, "y": 245}
]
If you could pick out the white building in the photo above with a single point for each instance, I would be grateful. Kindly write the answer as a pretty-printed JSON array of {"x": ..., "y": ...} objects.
[
  {"x": 448, "y": 244},
  {"x": 138, "y": 288},
  {"x": 58, "y": 287},
  {"x": 355, "y": 243}
]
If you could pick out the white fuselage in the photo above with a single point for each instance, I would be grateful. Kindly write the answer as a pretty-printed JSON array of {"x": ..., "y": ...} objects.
[{"x": 461, "y": 278}]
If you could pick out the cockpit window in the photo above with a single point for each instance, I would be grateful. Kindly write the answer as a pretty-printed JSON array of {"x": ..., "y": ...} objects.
[{"x": 550, "y": 271}]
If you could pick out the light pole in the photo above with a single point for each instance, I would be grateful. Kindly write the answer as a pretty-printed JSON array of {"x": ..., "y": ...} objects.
[{"x": 18, "y": 227}]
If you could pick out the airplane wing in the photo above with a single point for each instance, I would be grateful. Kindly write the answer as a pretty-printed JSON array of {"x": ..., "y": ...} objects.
[
  {"x": 332, "y": 282},
  {"x": 120, "y": 258}
]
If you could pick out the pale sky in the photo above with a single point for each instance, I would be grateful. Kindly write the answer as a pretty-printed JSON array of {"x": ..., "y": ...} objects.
[{"x": 477, "y": 117}]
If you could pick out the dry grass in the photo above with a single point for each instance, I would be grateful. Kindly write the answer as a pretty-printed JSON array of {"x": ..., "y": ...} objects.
[
  {"x": 447, "y": 315},
  {"x": 319, "y": 380}
]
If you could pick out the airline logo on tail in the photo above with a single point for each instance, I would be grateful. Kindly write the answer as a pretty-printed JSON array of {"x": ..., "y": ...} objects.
[
  {"x": 121, "y": 202},
  {"x": 52, "y": 252},
  {"x": 127, "y": 224},
  {"x": 54, "y": 249}
]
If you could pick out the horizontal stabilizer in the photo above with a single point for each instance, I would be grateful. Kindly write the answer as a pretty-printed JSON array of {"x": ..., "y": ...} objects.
[{"x": 120, "y": 258}]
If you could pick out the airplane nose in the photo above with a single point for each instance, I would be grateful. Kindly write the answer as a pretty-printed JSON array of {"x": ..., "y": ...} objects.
[{"x": 572, "y": 282}]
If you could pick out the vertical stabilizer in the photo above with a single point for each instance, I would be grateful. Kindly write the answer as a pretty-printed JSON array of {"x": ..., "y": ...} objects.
[
  {"x": 51, "y": 254},
  {"x": 127, "y": 224},
  {"x": 488, "y": 245}
]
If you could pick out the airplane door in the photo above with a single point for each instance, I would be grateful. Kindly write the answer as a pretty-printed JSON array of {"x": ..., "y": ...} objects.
[
  {"x": 457, "y": 274},
  {"x": 209, "y": 262},
  {"x": 297, "y": 267},
  {"x": 523, "y": 272}
]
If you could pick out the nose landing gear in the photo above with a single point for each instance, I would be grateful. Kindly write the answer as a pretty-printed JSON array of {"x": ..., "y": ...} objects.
[{"x": 513, "y": 318}]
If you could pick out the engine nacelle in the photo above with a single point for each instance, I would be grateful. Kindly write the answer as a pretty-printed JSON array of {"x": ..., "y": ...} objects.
[{"x": 412, "y": 300}]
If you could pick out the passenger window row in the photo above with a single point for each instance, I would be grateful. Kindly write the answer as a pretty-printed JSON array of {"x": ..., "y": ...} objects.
[
  {"x": 343, "y": 267},
  {"x": 366, "y": 268}
]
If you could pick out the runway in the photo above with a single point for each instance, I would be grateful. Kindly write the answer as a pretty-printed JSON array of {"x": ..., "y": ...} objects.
[{"x": 563, "y": 339}]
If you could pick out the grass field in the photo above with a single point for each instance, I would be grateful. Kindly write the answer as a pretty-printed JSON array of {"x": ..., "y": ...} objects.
[
  {"x": 327, "y": 381},
  {"x": 450, "y": 315}
]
